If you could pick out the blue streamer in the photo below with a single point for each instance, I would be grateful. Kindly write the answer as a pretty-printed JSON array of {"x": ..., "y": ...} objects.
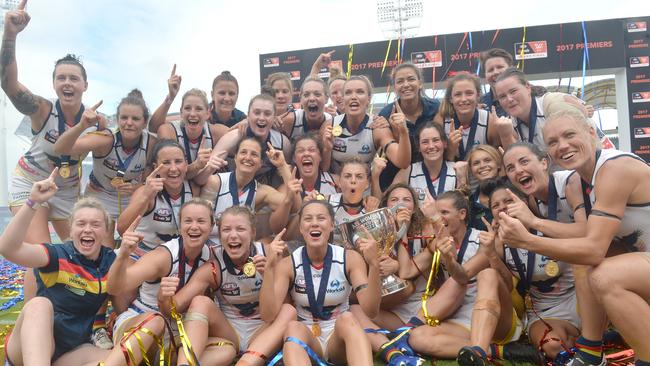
[
  {"x": 307, "y": 349},
  {"x": 585, "y": 62},
  {"x": 11, "y": 277}
]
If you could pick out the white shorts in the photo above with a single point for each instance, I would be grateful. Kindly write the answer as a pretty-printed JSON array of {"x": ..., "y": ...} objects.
[
  {"x": 407, "y": 310},
  {"x": 60, "y": 206},
  {"x": 108, "y": 200},
  {"x": 326, "y": 330},
  {"x": 566, "y": 310},
  {"x": 245, "y": 329},
  {"x": 119, "y": 328}
]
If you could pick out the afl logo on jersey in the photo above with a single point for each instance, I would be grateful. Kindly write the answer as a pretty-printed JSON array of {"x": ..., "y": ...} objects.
[
  {"x": 230, "y": 289},
  {"x": 162, "y": 214},
  {"x": 51, "y": 135},
  {"x": 421, "y": 194},
  {"x": 110, "y": 163},
  {"x": 300, "y": 286},
  {"x": 339, "y": 145}
]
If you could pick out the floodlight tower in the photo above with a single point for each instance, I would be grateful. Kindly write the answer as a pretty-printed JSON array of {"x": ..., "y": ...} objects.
[
  {"x": 5, "y": 6},
  {"x": 399, "y": 18}
]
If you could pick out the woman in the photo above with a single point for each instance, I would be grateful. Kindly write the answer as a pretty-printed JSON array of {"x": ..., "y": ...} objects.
[
  {"x": 485, "y": 164},
  {"x": 119, "y": 158},
  {"x": 493, "y": 62},
  {"x": 282, "y": 87},
  {"x": 432, "y": 175},
  {"x": 193, "y": 132},
  {"x": 413, "y": 264},
  {"x": 225, "y": 91},
  {"x": 467, "y": 125},
  {"x": 462, "y": 260},
  {"x": 261, "y": 112},
  {"x": 349, "y": 135},
  {"x": 319, "y": 278},
  {"x": 180, "y": 257},
  {"x": 335, "y": 86},
  {"x": 617, "y": 211},
  {"x": 236, "y": 277},
  {"x": 313, "y": 96},
  {"x": 417, "y": 108},
  {"x": 240, "y": 188},
  {"x": 55, "y": 326},
  {"x": 527, "y": 109},
  {"x": 49, "y": 119},
  {"x": 548, "y": 285},
  {"x": 159, "y": 200},
  {"x": 352, "y": 201}
]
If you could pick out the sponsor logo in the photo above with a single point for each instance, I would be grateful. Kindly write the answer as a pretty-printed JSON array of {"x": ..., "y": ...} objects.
[
  {"x": 299, "y": 286},
  {"x": 641, "y": 97},
  {"x": 339, "y": 145},
  {"x": 641, "y": 132},
  {"x": 271, "y": 62},
  {"x": 294, "y": 75},
  {"x": 111, "y": 163},
  {"x": 531, "y": 49},
  {"x": 640, "y": 61},
  {"x": 636, "y": 27},
  {"x": 427, "y": 59},
  {"x": 335, "y": 286},
  {"x": 51, "y": 135},
  {"x": 365, "y": 149},
  {"x": 421, "y": 194}
]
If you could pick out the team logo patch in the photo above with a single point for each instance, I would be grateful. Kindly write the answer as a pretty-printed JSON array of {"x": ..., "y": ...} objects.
[
  {"x": 51, "y": 136},
  {"x": 299, "y": 286},
  {"x": 110, "y": 163},
  {"x": 339, "y": 145},
  {"x": 230, "y": 289},
  {"x": 162, "y": 214}
]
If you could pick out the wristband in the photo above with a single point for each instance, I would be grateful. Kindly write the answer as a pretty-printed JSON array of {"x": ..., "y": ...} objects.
[{"x": 32, "y": 204}]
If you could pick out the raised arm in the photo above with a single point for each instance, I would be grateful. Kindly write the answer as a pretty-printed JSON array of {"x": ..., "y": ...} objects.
[
  {"x": 141, "y": 200},
  {"x": 34, "y": 106},
  {"x": 69, "y": 142},
  {"x": 277, "y": 276},
  {"x": 160, "y": 115},
  {"x": 203, "y": 278},
  {"x": 398, "y": 153},
  {"x": 321, "y": 62},
  {"x": 12, "y": 245}
]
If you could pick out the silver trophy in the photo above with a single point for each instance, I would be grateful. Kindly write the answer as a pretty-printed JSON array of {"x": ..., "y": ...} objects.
[{"x": 381, "y": 225}]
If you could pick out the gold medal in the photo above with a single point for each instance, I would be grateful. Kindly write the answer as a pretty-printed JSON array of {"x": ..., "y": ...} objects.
[
  {"x": 552, "y": 269},
  {"x": 320, "y": 197},
  {"x": 315, "y": 329},
  {"x": 64, "y": 171},
  {"x": 337, "y": 130},
  {"x": 117, "y": 182},
  {"x": 528, "y": 302},
  {"x": 249, "y": 269}
]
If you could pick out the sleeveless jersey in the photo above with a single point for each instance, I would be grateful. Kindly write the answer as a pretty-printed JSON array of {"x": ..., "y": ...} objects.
[
  {"x": 300, "y": 123},
  {"x": 478, "y": 128},
  {"x": 564, "y": 211},
  {"x": 338, "y": 290},
  {"x": 161, "y": 223},
  {"x": 340, "y": 214},
  {"x": 39, "y": 161},
  {"x": 419, "y": 180},
  {"x": 325, "y": 185},
  {"x": 468, "y": 249},
  {"x": 147, "y": 299},
  {"x": 191, "y": 148},
  {"x": 633, "y": 230},
  {"x": 523, "y": 130},
  {"x": 347, "y": 145},
  {"x": 415, "y": 246},
  {"x": 266, "y": 173},
  {"x": 132, "y": 165},
  {"x": 239, "y": 295},
  {"x": 228, "y": 192}
]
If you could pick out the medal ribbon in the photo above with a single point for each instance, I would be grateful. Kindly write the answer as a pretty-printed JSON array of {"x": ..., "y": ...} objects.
[
  {"x": 429, "y": 291},
  {"x": 552, "y": 199},
  {"x": 532, "y": 122},
  {"x": 316, "y": 303},
  {"x": 303, "y": 193},
  {"x": 587, "y": 187},
  {"x": 124, "y": 164},
  {"x": 442, "y": 177},
  {"x": 234, "y": 192},
  {"x": 181, "y": 265},
  {"x": 525, "y": 276},
  {"x": 362, "y": 126},
  {"x": 463, "y": 148},
  {"x": 186, "y": 143},
  {"x": 463, "y": 247},
  {"x": 230, "y": 265},
  {"x": 168, "y": 199},
  {"x": 64, "y": 160}
]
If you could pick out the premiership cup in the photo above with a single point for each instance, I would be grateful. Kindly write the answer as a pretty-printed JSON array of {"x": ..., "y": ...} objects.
[{"x": 381, "y": 225}]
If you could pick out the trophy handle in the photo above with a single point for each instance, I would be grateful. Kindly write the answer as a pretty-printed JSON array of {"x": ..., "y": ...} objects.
[{"x": 402, "y": 229}]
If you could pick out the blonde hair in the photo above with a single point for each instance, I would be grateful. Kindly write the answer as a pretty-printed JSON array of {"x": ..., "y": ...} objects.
[
  {"x": 90, "y": 202},
  {"x": 194, "y": 92},
  {"x": 283, "y": 76},
  {"x": 494, "y": 154},
  {"x": 238, "y": 211},
  {"x": 197, "y": 202},
  {"x": 573, "y": 112}
]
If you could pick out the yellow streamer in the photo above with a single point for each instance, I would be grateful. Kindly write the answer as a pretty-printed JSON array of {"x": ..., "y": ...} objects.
[
  {"x": 521, "y": 53},
  {"x": 185, "y": 341},
  {"x": 429, "y": 291},
  {"x": 390, "y": 41},
  {"x": 350, "y": 54}
]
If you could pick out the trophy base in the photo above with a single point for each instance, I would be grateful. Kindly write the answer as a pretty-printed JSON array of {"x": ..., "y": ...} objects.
[{"x": 391, "y": 285}]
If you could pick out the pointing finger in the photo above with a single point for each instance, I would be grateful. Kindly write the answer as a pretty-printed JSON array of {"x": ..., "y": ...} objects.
[
  {"x": 280, "y": 234},
  {"x": 174, "y": 70},
  {"x": 135, "y": 223},
  {"x": 22, "y": 5},
  {"x": 202, "y": 145},
  {"x": 271, "y": 148},
  {"x": 155, "y": 171},
  {"x": 54, "y": 173},
  {"x": 501, "y": 150},
  {"x": 330, "y": 53},
  {"x": 452, "y": 126},
  {"x": 293, "y": 172},
  {"x": 94, "y": 108},
  {"x": 513, "y": 196},
  {"x": 397, "y": 106}
]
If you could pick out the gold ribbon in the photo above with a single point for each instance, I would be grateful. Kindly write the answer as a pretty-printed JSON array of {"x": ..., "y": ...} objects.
[
  {"x": 521, "y": 53},
  {"x": 185, "y": 340},
  {"x": 430, "y": 290},
  {"x": 128, "y": 350},
  {"x": 350, "y": 54}
]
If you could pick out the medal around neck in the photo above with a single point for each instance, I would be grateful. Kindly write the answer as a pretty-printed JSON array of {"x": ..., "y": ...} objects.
[
  {"x": 337, "y": 130},
  {"x": 249, "y": 269},
  {"x": 552, "y": 269},
  {"x": 64, "y": 171}
]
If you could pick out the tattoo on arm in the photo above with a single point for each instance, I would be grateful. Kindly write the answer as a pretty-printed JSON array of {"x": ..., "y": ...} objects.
[
  {"x": 8, "y": 52},
  {"x": 26, "y": 102}
]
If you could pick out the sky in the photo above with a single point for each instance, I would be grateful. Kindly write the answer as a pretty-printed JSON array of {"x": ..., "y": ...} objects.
[{"x": 128, "y": 44}]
